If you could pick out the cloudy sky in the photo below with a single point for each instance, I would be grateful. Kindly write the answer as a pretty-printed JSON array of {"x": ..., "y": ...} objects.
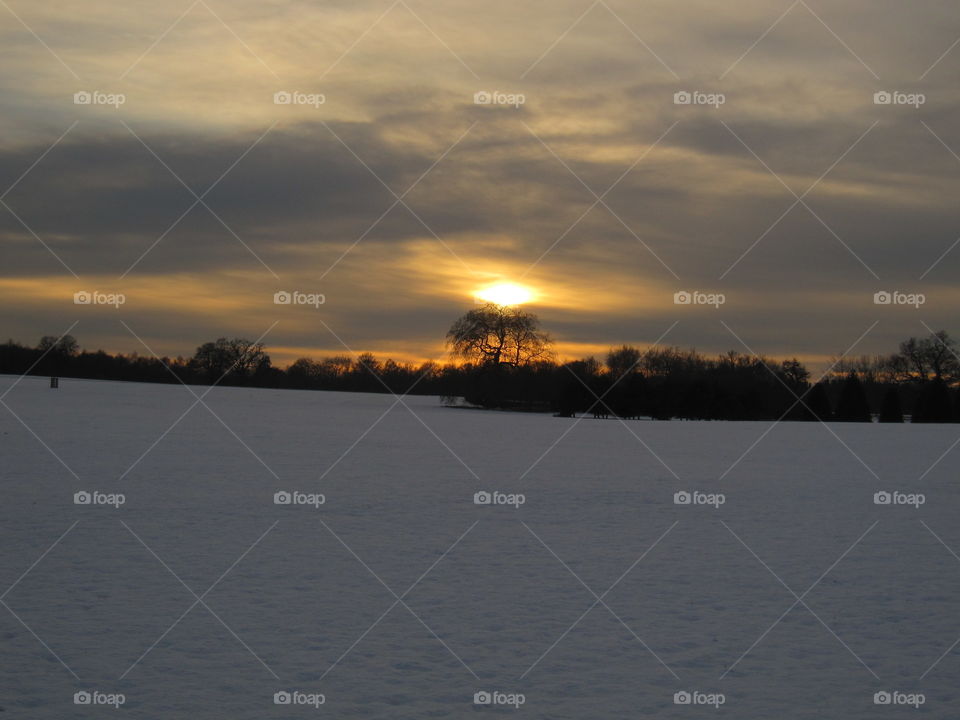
[{"x": 795, "y": 194}]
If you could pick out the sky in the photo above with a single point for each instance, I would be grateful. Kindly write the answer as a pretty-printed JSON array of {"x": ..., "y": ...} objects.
[{"x": 432, "y": 149}]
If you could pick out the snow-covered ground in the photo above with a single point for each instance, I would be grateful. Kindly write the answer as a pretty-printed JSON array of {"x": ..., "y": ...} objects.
[{"x": 200, "y": 597}]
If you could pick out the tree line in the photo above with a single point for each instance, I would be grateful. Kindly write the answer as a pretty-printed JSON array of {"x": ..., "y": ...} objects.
[
  {"x": 229, "y": 361},
  {"x": 503, "y": 360},
  {"x": 509, "y": 365}
]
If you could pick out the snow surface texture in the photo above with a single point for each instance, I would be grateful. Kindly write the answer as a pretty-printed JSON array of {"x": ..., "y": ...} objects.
[{"x": 201, "y": 598}]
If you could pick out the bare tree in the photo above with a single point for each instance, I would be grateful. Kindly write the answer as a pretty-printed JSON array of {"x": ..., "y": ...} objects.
[
  {"x": 623, "y": 360},
  {"x": 65, "y": 346},
  {"x": 337, "y": 366},
  {"x": 931, "y": 358},
  {"x": 498, "y": 334},
  {"x": 234, "y": 356}
]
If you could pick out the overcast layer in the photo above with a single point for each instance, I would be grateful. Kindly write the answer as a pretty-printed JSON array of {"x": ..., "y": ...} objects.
[{"x": 399, "y": 196}]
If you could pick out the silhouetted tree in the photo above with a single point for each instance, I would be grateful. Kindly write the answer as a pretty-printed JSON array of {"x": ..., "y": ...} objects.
[
  {"x": 795, "y": 375},
  {"x": 931, "y": 358},
  {"x": 891, "y": 411},
  {"x": 795, "y": 378},
  {"x": 625, "y": 382},
  {"x": 55, "y": 354},
  {"x": 853, "y": 406},
  {"x": 498, "y": 334},
  {"x": 818, "y": 402},
  {"x": 305, "y": 373},
  {"x": 336, "y": 368},
  {"x": 235, "y": 357},
  {"x": 934, "y": 404},
  {"x": 600, "y": 395},
  {"x": 575, "y": 380},
  {"x": 628, "y": 395},
  {"x": 623, "y": 360},
  {"x": 366, "y": 373},
  {"x": 65, "y": 346}
]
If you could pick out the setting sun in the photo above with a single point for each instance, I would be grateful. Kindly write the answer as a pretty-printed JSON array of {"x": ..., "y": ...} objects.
[{"x": 506, "y": 294}]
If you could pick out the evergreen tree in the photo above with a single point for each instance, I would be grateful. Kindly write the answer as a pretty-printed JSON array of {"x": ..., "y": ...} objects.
[
  {"x": 891, "y": 411},
  {"x": 853, "y": 406}
]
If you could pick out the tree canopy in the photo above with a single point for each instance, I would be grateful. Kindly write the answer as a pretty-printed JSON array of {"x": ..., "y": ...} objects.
[{"x": 499, "y": 334}]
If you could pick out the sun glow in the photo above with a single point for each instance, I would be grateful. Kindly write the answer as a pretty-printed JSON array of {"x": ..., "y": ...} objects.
[{"x": 506, "y": 294}]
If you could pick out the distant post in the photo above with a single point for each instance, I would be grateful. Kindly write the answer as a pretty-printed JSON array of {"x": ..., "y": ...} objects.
[{"x": 54, "y": 382}]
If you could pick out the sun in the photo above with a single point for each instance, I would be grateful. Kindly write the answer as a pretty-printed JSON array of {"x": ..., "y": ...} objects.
[{"x": 506, "y": 294}]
